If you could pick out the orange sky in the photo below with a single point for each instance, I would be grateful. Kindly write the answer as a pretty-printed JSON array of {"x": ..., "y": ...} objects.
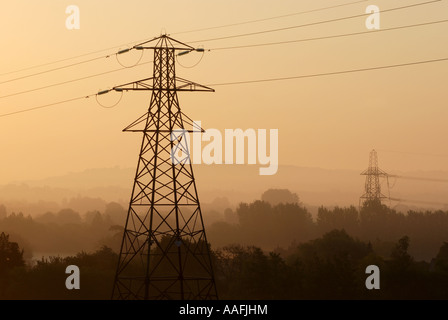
[{"x": 330, "y": 122}]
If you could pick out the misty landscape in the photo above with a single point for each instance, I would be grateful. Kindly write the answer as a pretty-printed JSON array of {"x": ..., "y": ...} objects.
[
  {"x": 274, "y": 246},
  {"x": 238, "y": 150}
]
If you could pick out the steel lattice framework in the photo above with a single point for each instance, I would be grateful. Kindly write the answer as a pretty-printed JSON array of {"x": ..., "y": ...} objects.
[
  {"x": 373, "y": 173},
  {"x": 164, "y": 252}
]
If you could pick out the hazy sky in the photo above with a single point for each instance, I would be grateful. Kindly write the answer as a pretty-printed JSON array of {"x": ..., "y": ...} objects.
[{"x": 330, "y": 122}]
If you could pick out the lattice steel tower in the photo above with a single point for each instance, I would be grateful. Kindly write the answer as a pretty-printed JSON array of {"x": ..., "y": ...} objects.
[
  {"x": 372, "y": 184},
  {"x": 164, "y": 252}
]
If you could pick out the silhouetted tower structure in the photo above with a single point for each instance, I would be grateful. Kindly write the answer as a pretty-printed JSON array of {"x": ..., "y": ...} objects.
[
  {"x": 164, "y": 252},
  {"x": 372, "y": 192}
]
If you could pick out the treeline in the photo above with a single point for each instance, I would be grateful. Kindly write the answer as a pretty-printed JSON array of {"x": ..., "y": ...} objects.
[
  {"x": 276, "y": 222},
  {"x": 64, "y": 232},
  {"x": 271, "y": 226},
  {"x": 330, "y": 267},
  {"x": 268, "y": 249}
]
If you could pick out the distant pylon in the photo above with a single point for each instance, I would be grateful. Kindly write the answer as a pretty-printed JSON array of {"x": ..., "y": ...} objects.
[
  {"x": 372, "y": 190},
  {"x": 164, "y": 252}
]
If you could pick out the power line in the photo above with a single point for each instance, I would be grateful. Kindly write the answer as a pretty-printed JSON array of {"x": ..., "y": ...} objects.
[
  {"x": 65, "y": 59},
  {"x": 415, "y": 153},
  {"x": 181, "y": 32},
  {"x": 309, "y": 24},
  {"x": 329, "y": 73},
  {"x": 239, "y": 47},
  {"x": 327, "y": 37},
  {"x": 265, "y": 80},
  {"x": 75, "y": 64},
  {"x": 270, "y": 18},
  {"x": 46, "y": 105},
  {"x": 54, "y": 69},
  {"x": 50, "y": 63},
  {"x": 419, "y": 201},
  {"x": 66, "y": 82},
  {"x": 417, "y": 178},
  {"x": 243, "y": 46},
  {"x": 205, "y": 40}
]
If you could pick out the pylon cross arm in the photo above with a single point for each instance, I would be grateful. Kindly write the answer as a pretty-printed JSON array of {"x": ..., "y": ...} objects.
[
  {"x": 186, "y": 85},
  {"x": 147, "y": 84}
]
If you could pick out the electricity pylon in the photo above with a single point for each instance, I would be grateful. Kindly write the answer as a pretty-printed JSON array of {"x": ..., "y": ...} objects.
[
  {"x": 372, "y": 192},
  {"x": 164, "y": 252}
]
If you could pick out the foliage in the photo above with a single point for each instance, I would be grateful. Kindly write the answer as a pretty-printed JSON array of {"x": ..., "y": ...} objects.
[
  {"x": 277, "y": 196},
  {"x": 10, "y": 254},
  {"x": 270, "y": 251},
  {"x": 330, "y": 267}
]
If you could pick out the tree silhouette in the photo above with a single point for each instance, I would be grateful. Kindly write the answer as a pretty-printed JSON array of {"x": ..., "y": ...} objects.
[
  {"x": 270, "y": 226},
  {"x": 330, "y": 265},
  {"x": 441, "y": 260},
  {"x": 401, "y": 260},
  {"x": 10, "y": 254},
  {"x": 338, "y": 218},
  {"x": 11, "y": 258},
  {"x": 276, "y": 196}
]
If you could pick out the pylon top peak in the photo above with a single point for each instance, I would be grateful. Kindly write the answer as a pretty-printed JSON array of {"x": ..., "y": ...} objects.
[
  {"x": 163, "y": 41},
  {"x": 373, "y": 165}
]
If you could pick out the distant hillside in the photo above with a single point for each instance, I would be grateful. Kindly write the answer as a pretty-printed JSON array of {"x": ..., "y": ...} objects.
[{"x": 237, "y": 183}]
